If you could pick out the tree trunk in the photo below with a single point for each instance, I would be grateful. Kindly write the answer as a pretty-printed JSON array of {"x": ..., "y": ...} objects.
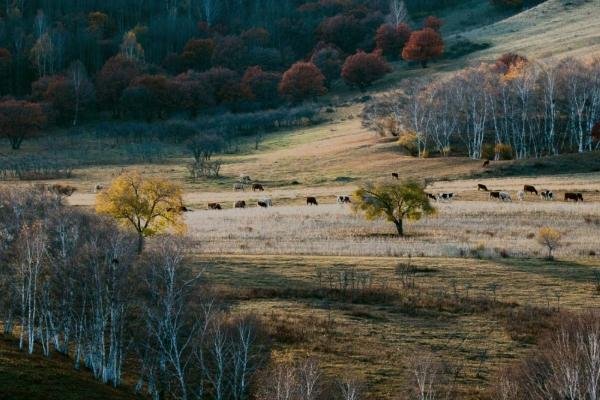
[
  {"x": 399, "y": 227},
  {"x": 15, "y": 142},
  {"x": 140, "y": 247}
]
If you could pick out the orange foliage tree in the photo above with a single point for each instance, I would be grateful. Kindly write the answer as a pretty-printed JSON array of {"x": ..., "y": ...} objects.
[
  {"x": 423, "y": 46},
  {"x": 302, "y": 81}
]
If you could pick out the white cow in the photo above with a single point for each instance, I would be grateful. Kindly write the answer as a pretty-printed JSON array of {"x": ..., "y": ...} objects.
[
  {"x": 238, "y": 186},
  {"x": 504, "y": 196}
]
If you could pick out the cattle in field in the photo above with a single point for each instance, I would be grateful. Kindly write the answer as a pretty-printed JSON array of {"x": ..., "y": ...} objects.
[
  {"x": 530, "y": 189},
  {"x": 98, "y": 188},
  {"x": 481, "y": 186},
  {"x": 311, "y": 201},
  {"x": 343, "y": 199},
  {"x": 62, "y": 190},
  {"x": 431, "y": 196},
  {"x": 445, "y": 196},
  {"x": 521, "y": 195},
  {"x": 547, "y": 194},
  {"x": 504, "y": 196},
  {"x": 395, "y": 175},
  {"x": 573, "y": 196},
  {"x": 214, "y": 206},
  {"x": 266, "y": 202},
  {"x": 494, "y": 195},
  {"x": 238, "y": 186},
  {"x": 240, "y": 204},
  {"x": 486, "y": 164},
  {"x": 245, "y": 178},
  {"x": 258, "y": 187}
]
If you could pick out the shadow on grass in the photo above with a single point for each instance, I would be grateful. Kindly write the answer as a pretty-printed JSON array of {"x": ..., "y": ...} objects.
[{"x": 565, "y": 270}]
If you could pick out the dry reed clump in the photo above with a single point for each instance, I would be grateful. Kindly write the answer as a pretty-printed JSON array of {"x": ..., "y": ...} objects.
[{"x": 480, "y": 229}]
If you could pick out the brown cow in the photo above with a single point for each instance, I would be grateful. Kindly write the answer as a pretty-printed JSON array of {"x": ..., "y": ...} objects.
[
  {"x": 530, "y": 189},
  {"x": 573, "y": 196},
  {"x": 62, "y": 190},
  {"x": 240, "y": 204},
  {"x": 258, "y": 186},
  {"x": 214, "y": 206},
  {"x": 263, "y": 204},
  {"x": 495, "y": 195},
  {"x": 486, "y": 164},
  {"x": 311, "y": 201},
  {"x": 482, "y": 187},
  {"x": 395, "y": 175}
]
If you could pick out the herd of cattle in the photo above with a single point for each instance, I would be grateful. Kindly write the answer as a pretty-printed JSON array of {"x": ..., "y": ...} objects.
[{"x": 502, "y": 195}]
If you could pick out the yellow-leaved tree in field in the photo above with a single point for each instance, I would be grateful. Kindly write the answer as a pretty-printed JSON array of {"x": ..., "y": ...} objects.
[{"x": 148, "y": 205}]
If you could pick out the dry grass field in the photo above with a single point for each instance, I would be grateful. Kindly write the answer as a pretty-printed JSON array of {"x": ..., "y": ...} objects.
[{"x": 553, "y": 29}]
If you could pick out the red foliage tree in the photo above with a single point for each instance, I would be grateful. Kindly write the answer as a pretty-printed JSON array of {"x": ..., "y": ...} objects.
[
  {"x": 225, "y": 85},
  {"x": 423, "y": 46},
  {"x": 230, "y": 52},
  {"x": 20, "y": 120},
  {"x": 362, "y": 69},
  {"x": 197, "y": 54},
  {"x": 328, "y": 60},
  {"x": 114, "y": 77},
  {"x": 192, "y": 92},
  {"x": 433, "y": 22},
  {"x": 302, "y": 81},
  {"x": 149, "y": 96},
  {"x": 391, "y": 40},
  {"x": 260, "y": 85},
  {"x": 345, "y": 31}
]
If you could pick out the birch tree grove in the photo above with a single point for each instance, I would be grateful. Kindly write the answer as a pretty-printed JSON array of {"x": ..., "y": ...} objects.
[
  {"x": 533, "y": 109},
  {"x": 73, "y": 283}
]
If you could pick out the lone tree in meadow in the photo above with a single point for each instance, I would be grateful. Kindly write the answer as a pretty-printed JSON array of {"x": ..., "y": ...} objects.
[
  {"x": 149, "y": 205},
  {"x": 362, "y": 69},
  {"x": 394, "y": 202},
  {"x": 549, "y": 238},
  {"x": 423, "y": 46},
  {"x": 302, "y": 81},
  {"x": 20, "y": 120}
]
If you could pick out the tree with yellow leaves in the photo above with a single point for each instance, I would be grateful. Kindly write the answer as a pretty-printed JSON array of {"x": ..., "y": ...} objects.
[
  {"x": 550, "y": 238},
  {"x": 149, "y": 205}
]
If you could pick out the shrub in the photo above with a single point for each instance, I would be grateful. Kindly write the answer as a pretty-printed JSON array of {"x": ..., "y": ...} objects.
[
  {"x": 408, "y": 141},
  {"x": 433, "y": 22},
  {"x": 391, "y": 40},
  {"x": 503, "y": 151},
  {"x": 550, "y": 238},
  {"x": 328, "y": 60}
]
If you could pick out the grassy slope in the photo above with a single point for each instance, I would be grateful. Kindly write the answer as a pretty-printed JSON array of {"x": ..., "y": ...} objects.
[
  {"x": 552, "y": 29},
  {"x": 34, "y": 377}
]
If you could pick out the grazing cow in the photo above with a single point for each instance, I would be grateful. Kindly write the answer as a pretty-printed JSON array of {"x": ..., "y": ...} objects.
[
  {"x": 573, "y": 196},
  {"x": 547, "y": 194},
  {"x": 311, "y": 201},
  {"x": 343, "y": 199},
  {"x": 62, "y": 190},
  {"x": 98, "y": 188},
  {"x": 266, "y": 202},
  {"x": 445, "y": 196},
  {"x": 245, "y": 178},
  {"x": 486, "y": 164},
  {"x": 521, "y": 195},
  {"x": 240, "y": 204},
  {"x": 258, "y": 186},
  {"x": 530, "y": 189},
  {"x": 431, "y": 196},
  {"x": 238, "y": 186},
  {"x": 395, "y": 175},
  {"x": 481, "y": 186},
  {"x": 504, "y": 196},
  {"x": 494, "y": 195},
  {"x": 214, "y": 206}
]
